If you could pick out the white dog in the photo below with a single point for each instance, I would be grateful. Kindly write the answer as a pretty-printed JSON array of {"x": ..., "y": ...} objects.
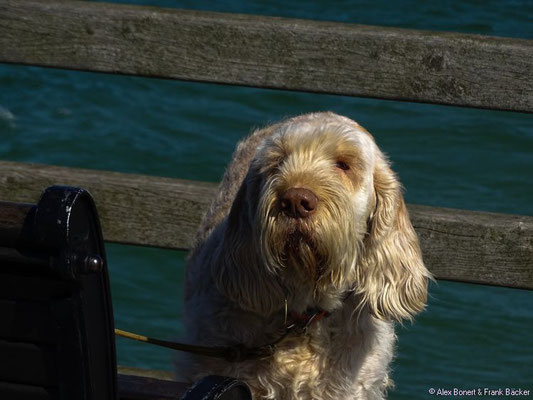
[{"x": 309, "y": 229}]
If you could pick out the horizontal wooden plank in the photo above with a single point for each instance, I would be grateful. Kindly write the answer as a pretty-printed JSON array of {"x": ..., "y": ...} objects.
[
  {"x": 133, "y": 209},
  {"x": 143, "y": 388},
  {"x": 12, "y": 217},
  {"x": 146, "y": 373},
  {"x": 478, "y": 247},
  {"x": 270, "y": 52},
  {"x": 141, "y": 384}
]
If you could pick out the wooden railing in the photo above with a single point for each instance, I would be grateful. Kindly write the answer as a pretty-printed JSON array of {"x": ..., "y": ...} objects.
[
  {"x": 355, "y": 60},
  {"x": 389, "y": 63},
  {"x": 468, "y": 246}
]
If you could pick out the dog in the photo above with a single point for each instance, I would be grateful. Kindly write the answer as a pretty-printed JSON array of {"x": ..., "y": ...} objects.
[{"x": 308, "y": 229}]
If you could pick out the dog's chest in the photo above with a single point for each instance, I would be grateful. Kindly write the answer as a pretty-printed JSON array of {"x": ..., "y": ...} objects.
[{"x": 308, "y": 366}]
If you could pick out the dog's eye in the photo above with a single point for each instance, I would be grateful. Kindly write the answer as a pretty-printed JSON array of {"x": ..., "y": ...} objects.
[{"x": 342, "y": 165}]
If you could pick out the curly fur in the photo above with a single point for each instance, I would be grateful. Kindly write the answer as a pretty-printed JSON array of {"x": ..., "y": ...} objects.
[{"x": 356, "y": 257}]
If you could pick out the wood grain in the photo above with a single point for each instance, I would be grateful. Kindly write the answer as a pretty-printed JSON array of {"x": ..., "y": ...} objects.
[
  {"x": 467, "y": 246},
  {"x": 269, "y": 52},
  {"x": 12, "y": 217},
  {"x": 141, "y": 384},
  {"x": 476, "y": 247},
  {"x": 133, "y": 209}
]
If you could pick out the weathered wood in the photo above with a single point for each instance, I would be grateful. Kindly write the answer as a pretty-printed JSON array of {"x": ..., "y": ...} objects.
[
  {"x": 324, "y": 57},
  {"x": 146, "y": 373},
  {"x": 477, "y": 247},
  {"x": 133, "y": 209},
  {"x": 12, "y": 216},
  {"x": 132, "y": 387},
  {"x": 143, "y": 384}
]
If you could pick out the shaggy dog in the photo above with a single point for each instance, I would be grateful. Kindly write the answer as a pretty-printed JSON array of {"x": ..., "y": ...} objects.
[{"x": 308, "y": 229}]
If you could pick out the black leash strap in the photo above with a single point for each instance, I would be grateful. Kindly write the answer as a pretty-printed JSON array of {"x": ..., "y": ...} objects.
[{"x": 236, "y": 353}]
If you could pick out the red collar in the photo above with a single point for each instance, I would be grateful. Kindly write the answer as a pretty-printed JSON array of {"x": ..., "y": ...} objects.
[{"x": 308, "y": 317}]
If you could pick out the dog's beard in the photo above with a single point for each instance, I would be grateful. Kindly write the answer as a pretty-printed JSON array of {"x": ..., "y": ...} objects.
[
  {"x": 321, "y": 249},
  {"x": 300, "y": 250}
]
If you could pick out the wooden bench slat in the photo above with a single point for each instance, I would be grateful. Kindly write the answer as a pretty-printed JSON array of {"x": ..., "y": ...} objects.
[
  {"x": 146, "y": 384},
  {"x": 133, "y": 209},
  {"x": 476, "y": 247},
  {"x": 270, "y": 52},
  {"x": 469, "y": 246},
  {"x": 131, "y": 387},
  {"x": 12, "y": 218}
]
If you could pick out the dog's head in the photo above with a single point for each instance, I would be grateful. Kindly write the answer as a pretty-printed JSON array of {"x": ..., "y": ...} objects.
[{"x": 321, "y": 212}]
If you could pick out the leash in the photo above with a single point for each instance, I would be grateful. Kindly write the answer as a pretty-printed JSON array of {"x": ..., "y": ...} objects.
[{"x": 239, "y": 352}]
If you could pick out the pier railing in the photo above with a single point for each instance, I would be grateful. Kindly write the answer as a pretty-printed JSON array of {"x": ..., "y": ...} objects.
[
  {"x": 270, "y": 52},
  {"x": 468, "y": 246}
]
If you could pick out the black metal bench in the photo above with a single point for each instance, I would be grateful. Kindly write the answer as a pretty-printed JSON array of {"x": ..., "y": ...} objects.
[
  {"x": 56, "y": 317},
  {"x": 56, "y": 334}
]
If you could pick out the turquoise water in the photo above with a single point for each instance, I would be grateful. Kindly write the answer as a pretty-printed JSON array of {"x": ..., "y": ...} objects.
[{"x": 471, "y": 336}]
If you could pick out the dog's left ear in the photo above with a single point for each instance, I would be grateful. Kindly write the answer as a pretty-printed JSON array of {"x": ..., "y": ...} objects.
[
  {"x": 393, "y": 279},
  {"x": 240, "y": 273}
]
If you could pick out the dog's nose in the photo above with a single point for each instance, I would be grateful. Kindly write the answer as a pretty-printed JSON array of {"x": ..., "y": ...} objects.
[{"x": 298, "y": 202}]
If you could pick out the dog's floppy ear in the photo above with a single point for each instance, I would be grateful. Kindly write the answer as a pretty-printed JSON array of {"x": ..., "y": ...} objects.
[
  {"x": 393, "y": 280},
  {"x": 240, "y": 273}
]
